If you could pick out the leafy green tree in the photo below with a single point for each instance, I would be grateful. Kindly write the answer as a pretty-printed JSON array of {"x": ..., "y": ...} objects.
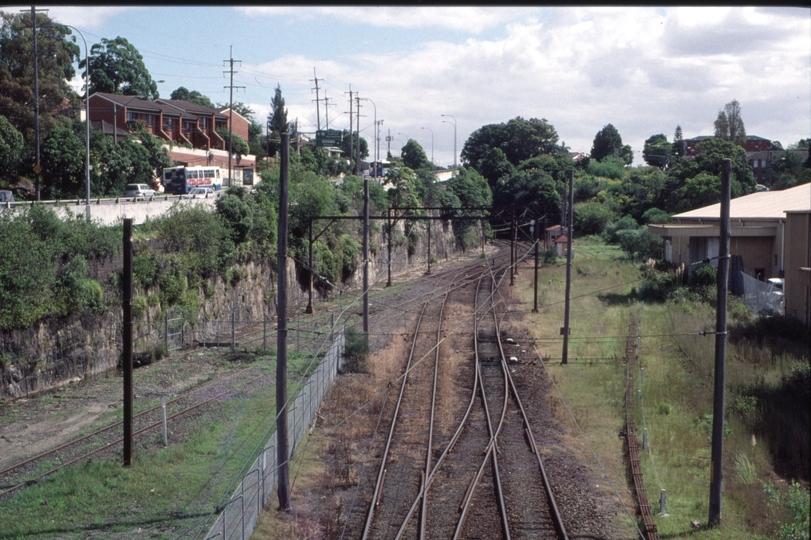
[
  {"x": 413, "y": 155},
  {"x": 608, "y": 142},
  {"x": 527, "y": 193},
  {"x": 241, "y": 109},
  {"x": 610, "y": 167},
  {"x": 11, "y": 150},
  {"x": 351, "y": 143},
  {"x": 278, "y": 119},
  {"x": 471, "y": 188},
  {"x": 591, "y": 217},
  {"x": 116, "y": 67},
  {"x": 192, "y": 96},
  {"x": 56, "y": 55},
  {"x": 787, "y": 170},
  {"x": 655, "y": 215},
  {"x": 238, "y": 145},
  {"x": 158, "y": 156},
  {"x": 729, "y": 124},
  {"x": 678, "y": 142},
  {"x": 494, "y": 165},
  {"x": 657, "y": 150},
  {"x": 62, "y": 159},
  {"x": 235, "y": 211},
  {"x": 518, "y": 139}
]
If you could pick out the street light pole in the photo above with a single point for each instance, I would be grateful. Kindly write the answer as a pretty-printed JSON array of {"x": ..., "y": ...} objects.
[
  {"x": 432, "y": 145},
  {"x": 454, "y": 136}
]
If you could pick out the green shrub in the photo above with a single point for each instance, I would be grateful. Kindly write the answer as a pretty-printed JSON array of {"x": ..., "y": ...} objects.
[
  {"x": 356, "y": 350},
  {"x": 704, "y": 275}
]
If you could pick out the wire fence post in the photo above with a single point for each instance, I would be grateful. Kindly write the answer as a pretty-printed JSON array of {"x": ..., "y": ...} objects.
[
  {"x": 233, "y": 329},
  {"x": 166, "y": 330},
  {"x": 264, "y": 332}
]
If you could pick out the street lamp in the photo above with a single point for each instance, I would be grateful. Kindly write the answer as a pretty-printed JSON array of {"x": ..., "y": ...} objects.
[
  {"x": 86, "y": 120},
  {"x": 454, "y": 136},
  {"x": 432, "y": 145}
]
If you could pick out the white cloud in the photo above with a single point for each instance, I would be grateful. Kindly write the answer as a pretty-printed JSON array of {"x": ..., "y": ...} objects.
[{"x": 469, "y": 19}]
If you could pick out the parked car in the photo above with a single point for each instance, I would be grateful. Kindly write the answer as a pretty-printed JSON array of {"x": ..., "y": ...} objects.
[
  {"x": 138, "y": 191},
  {"x": 201, "y": 192},
  {"x": 6, "y": 198}
]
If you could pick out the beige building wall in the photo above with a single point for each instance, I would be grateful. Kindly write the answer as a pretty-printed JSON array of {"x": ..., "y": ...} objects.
[{"x": 798, "y": 266}]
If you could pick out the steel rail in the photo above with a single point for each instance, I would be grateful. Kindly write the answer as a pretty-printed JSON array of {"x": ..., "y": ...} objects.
[
  {"x": 121, "y": 440},
  {"x": 449, "y": 448}
]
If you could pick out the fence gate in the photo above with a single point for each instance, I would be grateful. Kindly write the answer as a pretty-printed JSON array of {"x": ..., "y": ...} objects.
[{"x": 173, "y": 327}]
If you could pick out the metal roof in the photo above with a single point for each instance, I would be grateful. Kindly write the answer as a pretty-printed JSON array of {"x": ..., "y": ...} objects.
[{"x": 761, "y": 205}]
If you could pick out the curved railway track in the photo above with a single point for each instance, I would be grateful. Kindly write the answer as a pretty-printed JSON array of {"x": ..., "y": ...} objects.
[{"x": 482, "y": 475}]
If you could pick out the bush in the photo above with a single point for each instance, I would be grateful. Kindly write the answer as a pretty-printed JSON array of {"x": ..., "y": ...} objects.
[
  {"x": 356, "y": 350},
  {"x": 703, "y": 276}
]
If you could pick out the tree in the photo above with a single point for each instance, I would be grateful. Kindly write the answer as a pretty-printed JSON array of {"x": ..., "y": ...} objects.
[
  {"x": 518, "y": 139},
  {"x": 657, "y": 150},
  {"x": 678, "y": 142},
  {"x": 278, "y": 119},
  {"x": 11, "y": 149},
  {"x": 116, "y": 67},
  {"x": 241, "y": 109},
  {"x": 349, "y": 145},
  {"x": 62, "y": 159},
  {"x": 55, "y": 65},
  {"x": 608, "y": 142},
  {"x": 729, "y": 124},
  {"x": 192, "y": 96},
  {"x": 238, "y": 145},
  {"x": 413, "y": 155}
]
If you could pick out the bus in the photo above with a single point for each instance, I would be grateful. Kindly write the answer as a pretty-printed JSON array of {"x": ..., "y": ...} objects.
[{"x": 181, "y": 180}]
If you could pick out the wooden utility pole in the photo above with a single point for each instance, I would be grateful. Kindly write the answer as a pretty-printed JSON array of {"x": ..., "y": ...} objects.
[
  {"x": 717, "y": 470},
  {"x": 127, "y": 341},
  {"x": 282, "y": 457},
  {"x": 569, "y": 230}
]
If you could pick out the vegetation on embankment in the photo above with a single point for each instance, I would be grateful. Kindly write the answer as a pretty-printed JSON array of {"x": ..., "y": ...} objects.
[{"x": 766, "y": 446}]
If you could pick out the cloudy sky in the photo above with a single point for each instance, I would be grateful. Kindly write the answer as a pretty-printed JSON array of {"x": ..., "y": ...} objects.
[{"x": 643, "y": 69}]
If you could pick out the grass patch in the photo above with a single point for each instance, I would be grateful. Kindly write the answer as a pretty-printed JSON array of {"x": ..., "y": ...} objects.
[
  {"x": 766, "y": 437},
  {"x": 167, "y": 490}
]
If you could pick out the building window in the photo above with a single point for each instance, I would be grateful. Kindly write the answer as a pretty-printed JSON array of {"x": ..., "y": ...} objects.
[
  {"x": 131, "y": 116},
  {"x": 203, "y": 123},
  {"x": 168, "y": 124}
]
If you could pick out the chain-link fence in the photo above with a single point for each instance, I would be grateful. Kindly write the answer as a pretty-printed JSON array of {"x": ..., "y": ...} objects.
[
  {"x": 762, "y": 297},
  {"x": 237, "y": 517}
]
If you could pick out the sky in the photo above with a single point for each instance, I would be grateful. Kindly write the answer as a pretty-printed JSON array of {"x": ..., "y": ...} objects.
[{"x": 643, "y": 69}]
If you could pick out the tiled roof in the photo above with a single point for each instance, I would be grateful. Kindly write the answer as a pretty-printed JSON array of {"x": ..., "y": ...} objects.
[
  {"x": 191, "y": 108},
  {"x": 761, "y": 205},
  {"x": 134, "y": 102}
]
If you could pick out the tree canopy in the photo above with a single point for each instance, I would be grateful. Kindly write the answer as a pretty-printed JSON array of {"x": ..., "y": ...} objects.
[
  {"x": 657, "y": 151},
  {"x": 518, "y": 139},
  {"x": 192, "y": 96},
  {"x": 55, "y": 65},
  {"x": 608, "y": 142},
  {"x": 116, "y": 67},
  {"x": 729, "y": 124},
  {"x": 413, "y": 155}
]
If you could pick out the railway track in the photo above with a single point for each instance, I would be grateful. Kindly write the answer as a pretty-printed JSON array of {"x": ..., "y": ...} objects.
[
  {"x": 482, "y": 475},
  {"x": 108, "y": 438}
]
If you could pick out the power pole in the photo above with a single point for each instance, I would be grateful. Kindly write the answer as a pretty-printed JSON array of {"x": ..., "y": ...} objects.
[
  {"x": 566, "y": 330},
  {"x": 127, "y": 341},
  {"x": 326, "y": 107},
  {"x": 717, "y": 453},
  {"x": 357, "y": 120},
  {"x": 351, "y": 139},
  {"x": 37, "y": 168},
  {"x": 317, "y": 101},
  {"x": 231, "y": 86},
  {"x": 282, "y": 457}
]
